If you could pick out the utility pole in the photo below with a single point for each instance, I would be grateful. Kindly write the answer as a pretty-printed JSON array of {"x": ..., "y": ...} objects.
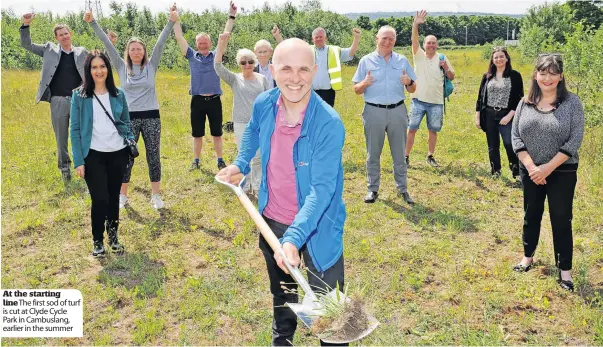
[
  {"x": 95, "y": 5},
  {"x": 466, "y": 30},
  {"x": 507, "y": 29}
]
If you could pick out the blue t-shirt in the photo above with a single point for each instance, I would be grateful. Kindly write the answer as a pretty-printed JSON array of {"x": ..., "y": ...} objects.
[{"x": 204, "y": 79}]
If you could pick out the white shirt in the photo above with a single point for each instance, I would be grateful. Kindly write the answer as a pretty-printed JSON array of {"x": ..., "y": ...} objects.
[
  {"x": 105, "y": 137},
  {"x": 430, "y": 78},
  {"x": 322, "y": 80}
]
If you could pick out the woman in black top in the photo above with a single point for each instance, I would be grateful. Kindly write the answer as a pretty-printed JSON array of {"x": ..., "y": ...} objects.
[{"x": 499, "y": 93}]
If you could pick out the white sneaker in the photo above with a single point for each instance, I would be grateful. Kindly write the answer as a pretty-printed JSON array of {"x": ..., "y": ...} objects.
[
  {"x": 156, "y": 201},
  {"x": 123, "y": 201}
]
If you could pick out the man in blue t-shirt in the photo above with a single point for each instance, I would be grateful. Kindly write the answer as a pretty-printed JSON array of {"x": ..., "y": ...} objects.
[{"x": 205, "y": 89}]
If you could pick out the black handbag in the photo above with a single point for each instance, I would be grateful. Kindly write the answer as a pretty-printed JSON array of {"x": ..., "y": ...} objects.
[{"x": 131, "y": 144}]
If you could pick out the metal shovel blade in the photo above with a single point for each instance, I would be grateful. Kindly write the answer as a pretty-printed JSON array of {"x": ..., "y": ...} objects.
[
  {"x": 310, "y": 308},
  {"x": 309, "y": 311}
]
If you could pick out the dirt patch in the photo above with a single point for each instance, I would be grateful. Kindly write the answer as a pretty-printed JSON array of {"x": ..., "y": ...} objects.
[{"x": 348, "y": 327}]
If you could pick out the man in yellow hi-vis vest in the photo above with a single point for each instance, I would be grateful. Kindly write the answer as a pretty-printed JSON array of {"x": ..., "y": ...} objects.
[{"x": 328, "y": 58}]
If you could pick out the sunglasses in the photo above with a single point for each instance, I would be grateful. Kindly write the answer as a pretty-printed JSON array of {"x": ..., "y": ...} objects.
[
  {"x": 499, "y": 48},
  {"x": 250, "y": 62}
]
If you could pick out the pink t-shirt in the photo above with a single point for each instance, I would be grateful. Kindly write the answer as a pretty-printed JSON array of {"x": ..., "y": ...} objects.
[{"x": 282, "y": 189}]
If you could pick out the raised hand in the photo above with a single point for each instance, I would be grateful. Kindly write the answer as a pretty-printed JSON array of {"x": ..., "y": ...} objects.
[
  {"x": 404, "y": 78},
  {"x": 420, "y": 17},
  {"x": 88, "y": 17},
  {"x": 275, "y": 30},
  {"x": 356, "y": 33},
  {"x": 232, "y": 9},
  {"x": 224, "y": 36},
  {"x": 27, "y": 18},
  {"x": 174, "y": 14},
  {"x": 112, "y": 37},
  {"x": 368, "y": 80}
]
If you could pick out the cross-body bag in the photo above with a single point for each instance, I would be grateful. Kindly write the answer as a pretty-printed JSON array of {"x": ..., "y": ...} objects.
[{"x": 132, "y": 148}]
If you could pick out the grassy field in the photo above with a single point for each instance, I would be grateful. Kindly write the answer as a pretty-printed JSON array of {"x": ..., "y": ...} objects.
[{"x": 437, "y": 273}]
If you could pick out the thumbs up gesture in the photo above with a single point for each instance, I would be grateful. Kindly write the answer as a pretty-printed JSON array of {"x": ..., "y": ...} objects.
[
  {"x": 404, "y": 78},
  {"x": 368, "y": 80},
  {"x": 88, "y": 17}
]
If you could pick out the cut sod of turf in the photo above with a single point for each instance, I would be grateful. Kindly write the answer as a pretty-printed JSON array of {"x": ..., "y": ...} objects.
[{"x": 349, "y": 325}]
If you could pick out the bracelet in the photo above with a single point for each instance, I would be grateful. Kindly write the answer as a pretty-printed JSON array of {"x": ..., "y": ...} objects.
[{"x": 232, "y": 17}]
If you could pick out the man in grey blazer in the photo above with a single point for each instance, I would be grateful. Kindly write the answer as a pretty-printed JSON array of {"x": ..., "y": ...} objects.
[{"x": 62, "y": 71}]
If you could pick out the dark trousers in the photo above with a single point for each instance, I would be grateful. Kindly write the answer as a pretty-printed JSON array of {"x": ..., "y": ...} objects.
[
  {"x": 493, "y": 129},
  {"x": 103, "y": 174},
  {"x": 328, "y": 95},
  {"x": 559, "y": 189},
  {"x": 284, "y": 321}
]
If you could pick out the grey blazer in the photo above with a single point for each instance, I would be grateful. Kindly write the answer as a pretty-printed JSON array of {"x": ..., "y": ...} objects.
[{"x": 51, "y": 53}]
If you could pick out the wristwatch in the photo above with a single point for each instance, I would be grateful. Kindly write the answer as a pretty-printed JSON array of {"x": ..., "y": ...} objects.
[
  {"x": 232, "y": 17},
  {"x": 411, "y": 82}
]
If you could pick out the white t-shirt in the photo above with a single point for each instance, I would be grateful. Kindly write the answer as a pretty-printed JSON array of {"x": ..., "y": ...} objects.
[
  {"x": 105, "y": 137},
  {"x": 430, "y": 78}
]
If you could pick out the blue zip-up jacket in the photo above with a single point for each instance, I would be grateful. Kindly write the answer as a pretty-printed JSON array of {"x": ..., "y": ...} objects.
[
  {"x": 82, "y": 120},
  {"x": 317, "y": 157}
]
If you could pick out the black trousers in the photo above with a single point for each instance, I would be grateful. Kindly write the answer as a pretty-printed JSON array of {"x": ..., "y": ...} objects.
[
  {"x": 284, "y": 321},
  {"x": 559, "y": 189},
  {"x": 103, "y": 174},
  {"x": 493, "y": 129},
  {"x": 328, "y": 95}
]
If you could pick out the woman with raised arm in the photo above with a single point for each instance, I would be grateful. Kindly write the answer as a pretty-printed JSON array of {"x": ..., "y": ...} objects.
[
  {"x": 137, "y": 74},
  {"x": 100, "y": 125},
  {"x": 246, "y": 86},
  {"x": 547, "y": 133}
]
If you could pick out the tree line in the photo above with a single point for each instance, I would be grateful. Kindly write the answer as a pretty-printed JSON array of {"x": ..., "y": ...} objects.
[{"x": 127, "y": 19}]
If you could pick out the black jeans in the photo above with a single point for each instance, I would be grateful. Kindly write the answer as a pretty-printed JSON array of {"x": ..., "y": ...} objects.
[
  {"x": 284, "y": 321},
  {"x": 493, "y": 128},
  {"x": 559, "y": 189},
  {"x": 103, "y": 174},
  {"x": 328, "y": 95}
]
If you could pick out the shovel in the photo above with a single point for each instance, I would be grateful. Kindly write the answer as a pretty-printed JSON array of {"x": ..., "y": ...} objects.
[{"x": 310, "y": 308}]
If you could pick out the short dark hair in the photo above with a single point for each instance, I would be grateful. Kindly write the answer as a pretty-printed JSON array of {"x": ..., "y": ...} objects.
[
  {"x": 492, "y": 67},
  {"x": 552, "y": 63},
  {"x": 87, "y": 89},
  {"x": 58, "y": 27}
]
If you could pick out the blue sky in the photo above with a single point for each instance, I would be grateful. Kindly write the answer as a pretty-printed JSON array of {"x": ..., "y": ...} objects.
[{"x": 340, "y": 6}]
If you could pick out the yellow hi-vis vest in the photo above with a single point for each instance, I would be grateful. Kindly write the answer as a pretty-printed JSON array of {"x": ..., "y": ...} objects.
[{"x": 334, "y": 66}]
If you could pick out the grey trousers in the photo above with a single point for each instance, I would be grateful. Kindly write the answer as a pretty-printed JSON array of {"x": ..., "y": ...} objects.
[
  {"x": 60, "y": 107},
  {"x": 377, "y": 122}
]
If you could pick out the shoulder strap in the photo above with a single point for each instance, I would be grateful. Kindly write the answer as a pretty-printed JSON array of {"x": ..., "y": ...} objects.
[{"x": 107, "y": 113}]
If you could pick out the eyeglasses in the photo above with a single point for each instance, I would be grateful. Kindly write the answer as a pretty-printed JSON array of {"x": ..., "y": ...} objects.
[{"x": 250, "y": 62}]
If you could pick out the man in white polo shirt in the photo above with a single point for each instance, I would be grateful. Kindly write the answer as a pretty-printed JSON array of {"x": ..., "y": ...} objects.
[{"x": 430, "y": 67}]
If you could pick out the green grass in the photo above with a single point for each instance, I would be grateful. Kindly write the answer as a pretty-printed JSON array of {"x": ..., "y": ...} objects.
[{"x": 437, "y": 273}]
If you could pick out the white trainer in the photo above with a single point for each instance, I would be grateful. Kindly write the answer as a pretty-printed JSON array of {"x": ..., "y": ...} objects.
[
  {"x": 156, "y": 201},
  {"x": 123, "y": 201}
]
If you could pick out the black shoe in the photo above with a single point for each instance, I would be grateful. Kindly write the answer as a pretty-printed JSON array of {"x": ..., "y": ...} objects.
[
  {"x": 431, "y": 161},
  {"x": 521, "y": 268},
  {"x": 99, "y": 249},
  {"x": 514, "y": 170},
  {"x": 407, "y": 161},
  {"x": 195, "y": 166},
  {"x": 371, "y": 197},
  {"x": 407, "y": 198},
  {"x": 111, "y": 226},
  {"x": 221, "y": 164},
  {"x": 565, "y": 284}
]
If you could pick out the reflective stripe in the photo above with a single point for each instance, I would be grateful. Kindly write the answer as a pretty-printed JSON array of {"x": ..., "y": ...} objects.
[
  {"x": 336, "y": 80},
  {"x": 334, "y": 71}
]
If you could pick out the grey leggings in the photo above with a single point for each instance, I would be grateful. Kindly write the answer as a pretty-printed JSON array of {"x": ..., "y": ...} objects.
[{"x": 151, "y": 133}]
